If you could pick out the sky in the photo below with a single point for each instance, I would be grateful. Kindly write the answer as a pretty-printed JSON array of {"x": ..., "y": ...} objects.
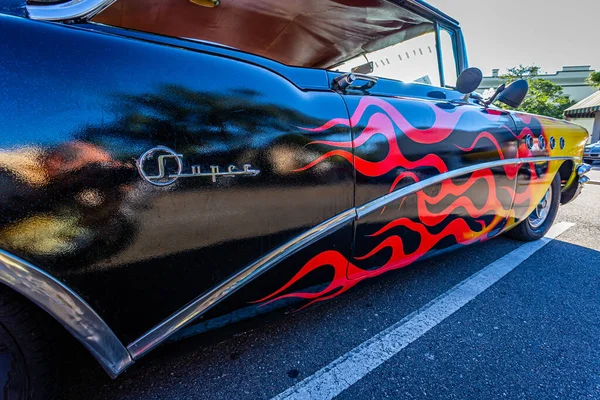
[{"x": 548, "y": 33}]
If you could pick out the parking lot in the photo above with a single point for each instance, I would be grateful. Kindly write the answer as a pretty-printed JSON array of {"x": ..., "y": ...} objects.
[{"x": 525, "y": 327}]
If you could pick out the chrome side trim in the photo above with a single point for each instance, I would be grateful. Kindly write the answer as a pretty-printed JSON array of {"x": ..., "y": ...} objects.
[
  {"x": 203, "y": 303},
  {"x": 74, "y": 9},
  {"x": 374, "y": 205},
  {"x": 68, "y": 308}
]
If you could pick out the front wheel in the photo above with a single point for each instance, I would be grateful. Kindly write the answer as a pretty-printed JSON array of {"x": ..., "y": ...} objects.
[{"x": 538, "y": 223}]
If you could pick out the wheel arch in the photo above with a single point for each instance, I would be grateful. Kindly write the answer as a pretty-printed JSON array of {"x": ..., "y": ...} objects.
[
  {"x": 567, "y": 173},
  {"x": 68, "y": 308}
]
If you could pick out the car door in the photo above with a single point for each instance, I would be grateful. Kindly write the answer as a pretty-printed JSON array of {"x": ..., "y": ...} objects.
[{"x": 144, "y": 171}]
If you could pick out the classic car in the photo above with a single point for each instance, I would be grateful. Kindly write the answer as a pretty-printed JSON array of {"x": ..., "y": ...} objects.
[
  {"x": 591, "y": 152},
  {"x": 170, "y": 162}
]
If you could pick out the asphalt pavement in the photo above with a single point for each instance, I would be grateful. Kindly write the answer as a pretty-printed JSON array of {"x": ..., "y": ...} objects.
[{"x": 532, "y": 333}]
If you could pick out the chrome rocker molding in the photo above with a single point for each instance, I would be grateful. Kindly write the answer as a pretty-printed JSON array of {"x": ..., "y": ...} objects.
[
  {"x": 70, "y": 10},
  {"x": 196, "y": 308},
  {"x": 68, "y": 308}
]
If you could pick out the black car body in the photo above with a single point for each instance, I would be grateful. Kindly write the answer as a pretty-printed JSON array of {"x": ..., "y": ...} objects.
[{"x": 150, "y": 181}]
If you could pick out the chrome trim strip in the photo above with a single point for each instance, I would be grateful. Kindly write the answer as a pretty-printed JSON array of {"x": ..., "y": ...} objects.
[
  {"x": 374, "y": 205},
  {"x": 74, "y": 9},
  {"x": 203, "y": 303},
  {"x": 68, "y": 308}
]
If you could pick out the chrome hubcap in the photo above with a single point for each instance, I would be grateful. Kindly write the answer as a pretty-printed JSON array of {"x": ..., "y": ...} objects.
[{"x": 539, "y": 215}]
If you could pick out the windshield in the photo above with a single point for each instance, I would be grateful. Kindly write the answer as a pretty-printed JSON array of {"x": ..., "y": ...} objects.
[{"x": 413, "y": 58}]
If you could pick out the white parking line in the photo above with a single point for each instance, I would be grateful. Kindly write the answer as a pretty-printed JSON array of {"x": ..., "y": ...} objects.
[{"x": 354, "y": 365}]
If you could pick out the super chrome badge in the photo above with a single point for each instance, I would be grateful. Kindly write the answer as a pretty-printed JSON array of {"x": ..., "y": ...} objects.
[{"x": 162, "y": 166}]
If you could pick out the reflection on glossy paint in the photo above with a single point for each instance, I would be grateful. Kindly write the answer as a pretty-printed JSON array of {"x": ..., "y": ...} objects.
[
  {"x": 45, "y": 234},
  {"x": 24, "y": 164},
  {"x": 54, "y": 227}
]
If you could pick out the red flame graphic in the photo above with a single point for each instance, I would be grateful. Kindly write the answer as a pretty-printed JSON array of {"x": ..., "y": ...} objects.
[{"x": 382, "y": 122}]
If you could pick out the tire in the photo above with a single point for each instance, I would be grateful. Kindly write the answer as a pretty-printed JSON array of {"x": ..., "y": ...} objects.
[
  {"x": 28, "y": 352},
  {"x": 528, "y": 231}
]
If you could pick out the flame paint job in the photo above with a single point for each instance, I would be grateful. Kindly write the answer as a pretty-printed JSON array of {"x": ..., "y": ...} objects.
[{"x": 455, "y": 212}]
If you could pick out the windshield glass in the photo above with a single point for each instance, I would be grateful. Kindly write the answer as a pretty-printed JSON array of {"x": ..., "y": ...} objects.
[{"x": 413, "y": 59}]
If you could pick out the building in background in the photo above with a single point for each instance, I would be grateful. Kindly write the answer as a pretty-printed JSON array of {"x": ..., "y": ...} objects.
[
  {"x": 570, "y": 78},
  {"x": 587, "y": 114}
]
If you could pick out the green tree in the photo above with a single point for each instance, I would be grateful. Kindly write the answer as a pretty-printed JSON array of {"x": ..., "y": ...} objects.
[
  {"x": 521, "y": 72},
  {"x": 594, "y": 79},
  {"x": 544, "y": 96}
]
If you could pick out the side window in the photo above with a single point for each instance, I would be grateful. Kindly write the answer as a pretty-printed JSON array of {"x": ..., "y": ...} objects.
[
  {"x": 447, "y": 45},
  {"x": 413, "y": 59}
]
